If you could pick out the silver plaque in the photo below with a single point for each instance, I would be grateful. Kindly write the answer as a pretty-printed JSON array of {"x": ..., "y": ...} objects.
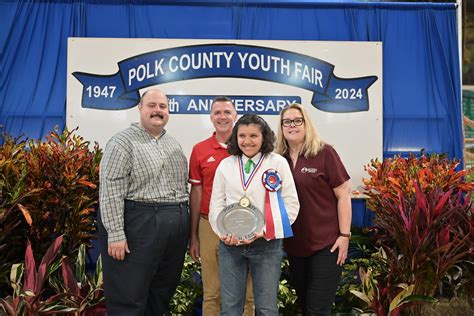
[{"x": 242, "y": 222}]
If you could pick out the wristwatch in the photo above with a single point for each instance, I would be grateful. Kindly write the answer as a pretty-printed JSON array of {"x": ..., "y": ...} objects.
[{"x": 346, "y": 235}]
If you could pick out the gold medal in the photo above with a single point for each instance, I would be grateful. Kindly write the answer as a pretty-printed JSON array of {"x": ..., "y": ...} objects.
[{"x": 244, "y": 201}]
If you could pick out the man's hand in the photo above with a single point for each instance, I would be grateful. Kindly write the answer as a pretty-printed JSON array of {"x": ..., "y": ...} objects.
[
  {"x": 194, "y": 248},
  {"x": 118, "y": 249}
]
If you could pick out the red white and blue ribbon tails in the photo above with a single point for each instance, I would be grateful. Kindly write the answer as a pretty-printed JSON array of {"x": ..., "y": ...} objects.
[{"x": 277, "y": 224}]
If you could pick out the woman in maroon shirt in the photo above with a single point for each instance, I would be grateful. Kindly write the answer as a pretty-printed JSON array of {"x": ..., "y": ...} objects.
[{"x": 319, "y": 246}]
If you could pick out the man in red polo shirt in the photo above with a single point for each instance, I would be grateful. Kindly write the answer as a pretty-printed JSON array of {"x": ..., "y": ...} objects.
[{"x": 204, "y": 243}]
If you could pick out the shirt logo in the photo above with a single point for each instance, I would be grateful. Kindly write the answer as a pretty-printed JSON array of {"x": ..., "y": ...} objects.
[
  {"x": 308, "y": 170},
  {"x": 211, "y": 159}
]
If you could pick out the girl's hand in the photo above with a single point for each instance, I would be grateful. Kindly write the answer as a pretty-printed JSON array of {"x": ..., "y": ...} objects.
[
  {"x": 251, "y": 240},
  {"x": 231, "y": 240}
]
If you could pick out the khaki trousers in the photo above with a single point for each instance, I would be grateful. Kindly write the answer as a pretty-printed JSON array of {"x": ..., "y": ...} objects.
[{"x": 209, "y": 250}]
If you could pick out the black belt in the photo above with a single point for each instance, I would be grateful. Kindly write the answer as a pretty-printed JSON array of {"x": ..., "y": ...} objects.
[{"x": 156, "y": 204}]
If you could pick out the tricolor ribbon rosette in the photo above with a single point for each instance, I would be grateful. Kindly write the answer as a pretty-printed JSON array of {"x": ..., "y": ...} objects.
[{"x": 277, "y": 224}]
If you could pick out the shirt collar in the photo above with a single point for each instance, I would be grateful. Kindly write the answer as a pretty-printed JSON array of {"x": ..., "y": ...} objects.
[
  {"x": 141, "y": 128},
  {"x": 215, "y": 143},
  {"x": 254, "y": 158}
]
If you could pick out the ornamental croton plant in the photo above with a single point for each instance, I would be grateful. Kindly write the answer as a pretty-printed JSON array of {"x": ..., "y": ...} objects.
[{"x": 423, "y": 217}]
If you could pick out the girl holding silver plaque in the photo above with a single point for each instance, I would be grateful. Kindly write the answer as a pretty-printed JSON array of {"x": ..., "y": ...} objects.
[
  {"x": 253, "y": 204},
  {"x": 322, "y": 231}
]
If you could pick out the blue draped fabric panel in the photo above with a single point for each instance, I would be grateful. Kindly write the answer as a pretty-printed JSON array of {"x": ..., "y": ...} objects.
[{"x": 421, "y": 80}]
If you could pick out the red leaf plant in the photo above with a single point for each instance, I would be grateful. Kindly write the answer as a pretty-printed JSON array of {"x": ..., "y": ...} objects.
[
  {"x": 83, "y": 292},
  {"x": 66, "y": 169},
  {"x": 28, "y": 298},
  {"x": 13, "y": 220},
  {"x": 424, "y": 220}
]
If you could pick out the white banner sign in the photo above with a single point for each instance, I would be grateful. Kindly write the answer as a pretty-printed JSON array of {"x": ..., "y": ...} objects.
[{"x": 340, "y": 83}]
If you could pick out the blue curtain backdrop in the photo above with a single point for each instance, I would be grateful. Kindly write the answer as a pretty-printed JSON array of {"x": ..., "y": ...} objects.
[{"x": 421, "y": 101}]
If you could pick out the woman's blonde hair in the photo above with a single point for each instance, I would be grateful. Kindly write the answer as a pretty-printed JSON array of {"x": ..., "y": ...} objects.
[{"x": 312, "y": 144}]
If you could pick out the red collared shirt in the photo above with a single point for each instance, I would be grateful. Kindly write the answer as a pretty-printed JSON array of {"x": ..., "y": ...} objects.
[{"x": 205, "y": 158}]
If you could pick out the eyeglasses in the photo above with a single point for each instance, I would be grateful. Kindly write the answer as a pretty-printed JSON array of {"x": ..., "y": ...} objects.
[{"x": 297, "y": 121}]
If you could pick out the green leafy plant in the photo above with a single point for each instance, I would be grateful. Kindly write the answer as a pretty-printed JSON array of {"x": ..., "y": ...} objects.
[
  {"x": 363, "y": 255},
  {"x": 455, "y": 280},
  {"x": 189, "y": 288},
  {"x": 287, "y": 304},
  {"x": 423, "y": 218},
  {"x": 67, "y": 172}
]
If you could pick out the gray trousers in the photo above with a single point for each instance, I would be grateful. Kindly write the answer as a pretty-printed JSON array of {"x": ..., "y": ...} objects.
[{"x": 144, "y": 283}]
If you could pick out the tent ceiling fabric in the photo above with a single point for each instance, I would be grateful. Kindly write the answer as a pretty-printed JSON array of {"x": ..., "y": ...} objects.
[{"x": 422, "y": 98}]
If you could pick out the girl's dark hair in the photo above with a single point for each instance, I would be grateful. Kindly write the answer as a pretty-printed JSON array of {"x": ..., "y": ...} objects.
[{"x": 268, "y": 143}]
